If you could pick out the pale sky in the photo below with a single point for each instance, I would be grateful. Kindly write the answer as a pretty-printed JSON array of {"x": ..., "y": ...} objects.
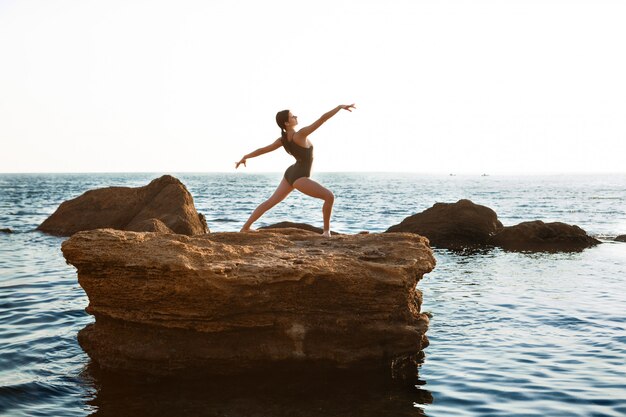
[{"x": 191, "y": 86}]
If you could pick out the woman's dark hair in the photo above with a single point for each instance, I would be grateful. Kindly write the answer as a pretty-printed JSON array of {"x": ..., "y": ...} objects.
[{"x": 282, "y": 117}]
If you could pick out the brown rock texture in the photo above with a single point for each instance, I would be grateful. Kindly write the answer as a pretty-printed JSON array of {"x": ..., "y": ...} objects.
[
  {"x": 149, "y": 225},
  {"x": 537, "y": 236},
  {"x": 453, "y": 225},
  {"x": 303, "y": 226},
  {"x": 621, "y": 238},
  {"x": 226, "y": 303},
  {"x": 164, "y": 205}
]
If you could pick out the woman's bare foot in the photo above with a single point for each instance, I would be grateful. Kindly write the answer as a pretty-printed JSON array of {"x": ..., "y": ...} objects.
[
  {"x": 246, "y": 229},
  {"x": 326, "y": 233}
]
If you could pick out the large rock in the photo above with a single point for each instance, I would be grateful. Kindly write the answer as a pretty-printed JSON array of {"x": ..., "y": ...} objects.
[
  {"x": 226, "y": 303},
  {"x": 164, "y": 205},
  {"x": 453, "y": 225},
  {"x": 621, "y": 238},
  {"x": 539, "y": 236}
]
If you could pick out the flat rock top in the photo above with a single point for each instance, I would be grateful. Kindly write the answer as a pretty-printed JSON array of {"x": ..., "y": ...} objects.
[{"x": 224, "y": 252}]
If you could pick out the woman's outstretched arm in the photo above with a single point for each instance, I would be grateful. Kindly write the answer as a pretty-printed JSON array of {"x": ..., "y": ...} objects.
[
  {"x": 269, "y": 148},
  {"x": 306, "y": 131}
]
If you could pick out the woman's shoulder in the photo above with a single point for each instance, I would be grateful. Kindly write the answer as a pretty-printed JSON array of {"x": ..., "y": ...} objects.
[{"x": 299, "y": 138}]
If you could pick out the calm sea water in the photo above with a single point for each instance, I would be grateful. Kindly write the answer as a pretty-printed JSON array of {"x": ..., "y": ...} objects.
[{"x": 512, "y": 334}]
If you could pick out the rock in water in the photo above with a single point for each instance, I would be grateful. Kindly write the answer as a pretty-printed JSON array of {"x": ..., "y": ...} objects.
[
  {"x": 149, "y": 225},
  {"x": 537, "y": 236},
  {"x": 453, "y": 225},
  {"x": 303, "y": 226},
  {"x": 621, "y": 238},
  {"x": 7, "y": 230},
  {"x": 225, "y": 303},
  {"x": 164, "y": 205}
]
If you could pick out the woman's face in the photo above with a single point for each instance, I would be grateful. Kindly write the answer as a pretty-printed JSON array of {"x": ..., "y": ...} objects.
[{"x": 293, "y": 120}]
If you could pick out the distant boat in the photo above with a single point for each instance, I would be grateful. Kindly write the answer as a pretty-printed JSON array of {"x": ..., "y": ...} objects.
[{"x": 485, "y": 175}]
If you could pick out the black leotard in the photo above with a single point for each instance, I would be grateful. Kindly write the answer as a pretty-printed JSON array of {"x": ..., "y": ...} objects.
[{"x": 304, "y": 161}]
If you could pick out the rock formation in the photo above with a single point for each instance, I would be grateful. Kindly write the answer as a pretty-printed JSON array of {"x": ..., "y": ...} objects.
[
  {"x": 7, "y": 230},
  {"x": 225, "y": 303},
  {"x": 464, "y": 225},
  {"x": 621, "y": 238},
  {"x": 453, "y": 225},
  {"x": 537, "y": 236},
  {"x": 164, "y": 205},
  {"x": 303, "y": 226}
]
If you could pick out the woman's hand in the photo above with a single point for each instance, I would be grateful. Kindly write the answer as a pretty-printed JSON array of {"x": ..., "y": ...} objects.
[
  {"x": 243, "y": 161},
  {"x": 348, "y": 107}
]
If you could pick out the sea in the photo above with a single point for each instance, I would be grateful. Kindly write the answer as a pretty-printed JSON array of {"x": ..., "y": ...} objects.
[{"x": 511, "y": 334}]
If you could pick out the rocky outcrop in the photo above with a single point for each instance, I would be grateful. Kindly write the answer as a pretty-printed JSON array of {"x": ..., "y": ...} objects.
[
  {"x": 226, "y": 303},
  {"x": 538, "y": 236},
  {"x": 621, "y": 238},
  {"x": 303, "y": 226},
  {"x": 164, "y": 205},
  {"x": 453, "y": 225},
  {"x": 7, "y": 230},
  {"x": 149, "y": 225},
  {"x": 463, "y": 225}
]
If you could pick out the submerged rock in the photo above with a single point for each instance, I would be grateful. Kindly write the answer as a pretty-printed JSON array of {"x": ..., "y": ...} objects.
[
  {"x": 453, "y": 225},
  {"x": 303, "y": 226},
  {"x": 164, "y": 205},
  {"x": 7, "y": 230},
  {"x": 621, "y": 238},
  {"x": 225, "y": 303},
  {"x": 539, "y": 236}
]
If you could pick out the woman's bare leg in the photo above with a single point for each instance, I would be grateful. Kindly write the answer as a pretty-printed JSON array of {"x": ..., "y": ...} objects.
[
  {"x": 313, "y": 189},
  {"x": 283, "y": 190}
]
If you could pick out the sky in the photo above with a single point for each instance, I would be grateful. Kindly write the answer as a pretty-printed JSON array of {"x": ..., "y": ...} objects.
[{"x": 450, "y": 86}]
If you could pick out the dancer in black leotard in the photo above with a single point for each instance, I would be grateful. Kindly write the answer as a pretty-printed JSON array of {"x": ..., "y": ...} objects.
[
  {"x": 304, "y": 161},
  {"x": 297, "y": 176}
]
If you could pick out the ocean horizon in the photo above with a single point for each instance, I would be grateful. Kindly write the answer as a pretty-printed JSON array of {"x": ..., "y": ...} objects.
[{"x": 246, "y": 171}]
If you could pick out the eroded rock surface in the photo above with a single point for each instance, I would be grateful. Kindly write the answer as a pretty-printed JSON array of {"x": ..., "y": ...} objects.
[
  {"x": 164, "y": 205},
  {"x": 231, "y": 302},
  {"x": 453, "y": 225}
]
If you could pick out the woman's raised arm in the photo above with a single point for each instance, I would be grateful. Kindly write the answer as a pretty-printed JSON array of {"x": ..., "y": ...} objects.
[
  {"x": 269, "y": 148},
  {"x": 306, "y": 131}
]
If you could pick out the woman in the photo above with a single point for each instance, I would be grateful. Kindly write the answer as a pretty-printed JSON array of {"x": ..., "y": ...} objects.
[{"x": 297, "y": 176}]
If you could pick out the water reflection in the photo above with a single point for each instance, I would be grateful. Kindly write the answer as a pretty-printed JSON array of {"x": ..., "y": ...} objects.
[{"x": 343, "y": 394}]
